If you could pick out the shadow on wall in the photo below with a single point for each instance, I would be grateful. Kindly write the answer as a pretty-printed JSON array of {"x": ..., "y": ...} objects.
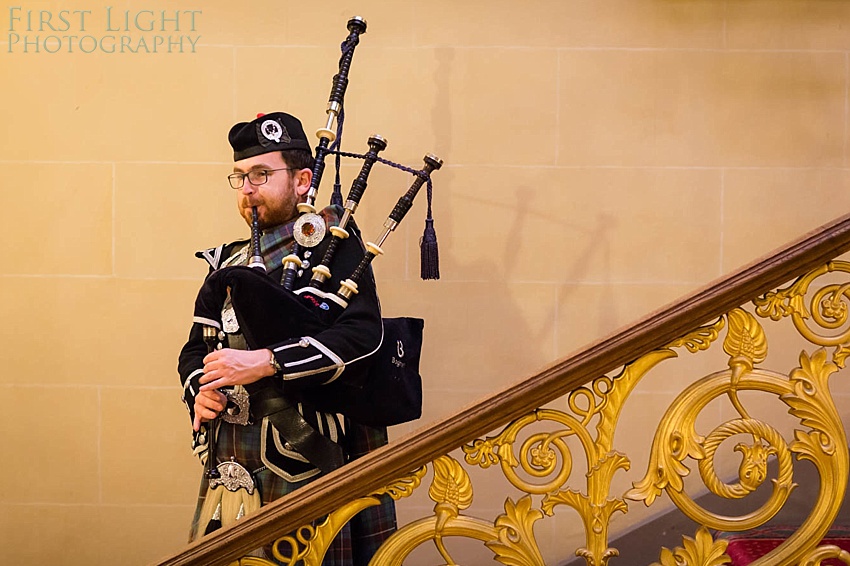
[{"x": 502, "y": 315}]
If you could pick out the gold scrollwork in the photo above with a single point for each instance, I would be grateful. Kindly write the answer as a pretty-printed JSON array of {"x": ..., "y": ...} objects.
[
  {"x": 753, "y": 469},
  {"x": 541, "y": 462},
  {"x": 821, "y": 553},
  {"x": 540, "y": 453},
  {"x": 510, "y": 538},
  {"x": 309, "y": 544},
  {"x": 829, "y": 309},
  {"x": 806, "y": 394}
]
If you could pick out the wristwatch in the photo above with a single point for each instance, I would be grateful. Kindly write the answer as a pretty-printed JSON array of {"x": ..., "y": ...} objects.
[{"x": 276, "y": 366}]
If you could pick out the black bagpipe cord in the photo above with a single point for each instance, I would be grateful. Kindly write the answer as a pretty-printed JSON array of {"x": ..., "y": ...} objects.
[{"x": 428, "y": 250}]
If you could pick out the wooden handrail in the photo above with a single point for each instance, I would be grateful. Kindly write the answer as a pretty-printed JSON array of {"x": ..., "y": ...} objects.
[{"x": 389, "y": 463}]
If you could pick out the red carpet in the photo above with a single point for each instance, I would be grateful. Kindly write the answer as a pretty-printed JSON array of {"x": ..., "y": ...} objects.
[{"x": 745, "y": 548}]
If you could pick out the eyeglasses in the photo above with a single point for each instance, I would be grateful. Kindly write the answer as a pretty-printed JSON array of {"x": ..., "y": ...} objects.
[{"x": 255, "y": 177}]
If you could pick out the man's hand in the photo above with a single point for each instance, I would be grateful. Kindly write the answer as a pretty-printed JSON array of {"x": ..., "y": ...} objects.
[
  {"x": 208, "y": 405},
  {"x": 227, "y": 367}
]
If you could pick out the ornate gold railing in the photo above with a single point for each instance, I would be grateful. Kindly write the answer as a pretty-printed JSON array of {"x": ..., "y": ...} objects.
[{"x": 540, "y": 463}]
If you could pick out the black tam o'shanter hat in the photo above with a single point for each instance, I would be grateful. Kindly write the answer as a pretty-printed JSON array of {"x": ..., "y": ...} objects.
[{"x": 277, "y": 131}]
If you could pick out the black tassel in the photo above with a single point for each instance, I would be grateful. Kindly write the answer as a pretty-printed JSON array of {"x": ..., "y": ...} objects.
[
  {"x": 430, "y": 261},
  {"x": 430, "y": 255}
]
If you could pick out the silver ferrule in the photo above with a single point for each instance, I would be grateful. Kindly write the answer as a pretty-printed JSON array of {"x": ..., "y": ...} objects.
[{"x": 382, "y": 238}]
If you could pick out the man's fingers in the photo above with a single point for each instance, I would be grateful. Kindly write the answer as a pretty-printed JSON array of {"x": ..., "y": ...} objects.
[
  {"x": 212, "y": 399},
  {"x": 208, "y": 405},
  {"x": 214, "y": 385},
  {"x": 209, "y": 375}
]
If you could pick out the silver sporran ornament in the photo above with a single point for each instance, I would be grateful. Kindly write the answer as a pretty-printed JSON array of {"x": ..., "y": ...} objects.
[{"x": 233, "y": 476}]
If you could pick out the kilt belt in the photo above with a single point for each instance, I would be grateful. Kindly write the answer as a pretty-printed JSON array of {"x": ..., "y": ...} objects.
[{"x": 306, "y": 440}]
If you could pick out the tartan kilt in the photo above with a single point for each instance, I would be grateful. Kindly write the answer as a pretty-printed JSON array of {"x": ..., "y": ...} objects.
[{"x": 358, "y": 540}]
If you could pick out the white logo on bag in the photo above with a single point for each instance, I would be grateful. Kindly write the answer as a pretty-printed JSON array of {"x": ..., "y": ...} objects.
[{"x": 399, "y": 348}]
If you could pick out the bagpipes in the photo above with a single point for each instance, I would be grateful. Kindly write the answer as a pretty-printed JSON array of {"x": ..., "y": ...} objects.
[{"x": 269, "y": 312}]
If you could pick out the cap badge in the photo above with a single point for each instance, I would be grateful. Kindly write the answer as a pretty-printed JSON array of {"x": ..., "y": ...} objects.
[{"x": 274, "y": 131}]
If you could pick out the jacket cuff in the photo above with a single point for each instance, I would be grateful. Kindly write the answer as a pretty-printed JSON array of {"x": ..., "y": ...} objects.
[
  {"x": 307, "y": 357},
  {"x": 190, "y": 389}
]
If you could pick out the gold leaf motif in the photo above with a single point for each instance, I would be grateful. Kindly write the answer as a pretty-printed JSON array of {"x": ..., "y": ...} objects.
[
  {"x": 699, "y": 551},
  {"x": 701, "y": 338},
  {"x": 649, "y": 488},
  {"x": 772, "y": 305},
  {"x": 516, "y": 545},
  {"x": 489, "y": 452},
  {"x": 840, "y": 354},
  {"x": 571, "y": 497},
  {"x": 798, "y": 306},
  {"x": 507, "y": 455},
  {"x": 482, "y": 453},
  {"x": 808, "y": 446},
  {"x": 668, "y": 469},
  {"x": 746, "y": 337},
  {"x": 810, "y": 403},
  {"x": 405, "y": 486},
  {"x": 451, "y": 483},
  {"x": 609, "y": 463},
  {"x": 785, "y": 302},
  {"x": 667, "y": 558}
]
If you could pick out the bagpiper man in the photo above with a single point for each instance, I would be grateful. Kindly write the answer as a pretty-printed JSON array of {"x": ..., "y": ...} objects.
[{"x": 255, "y": 458}]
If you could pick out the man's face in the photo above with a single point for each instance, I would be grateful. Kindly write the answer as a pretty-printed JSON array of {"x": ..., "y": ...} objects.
[{"x": 276, "y": 200}]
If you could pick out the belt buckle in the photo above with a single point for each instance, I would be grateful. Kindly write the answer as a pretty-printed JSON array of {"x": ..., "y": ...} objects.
[{"x": 238, "y": 408}]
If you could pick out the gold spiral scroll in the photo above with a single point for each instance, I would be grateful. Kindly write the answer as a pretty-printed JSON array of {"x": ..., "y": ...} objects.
[
  {"x": 806, "y": 393},
  {"x": 828, "y": 309}
]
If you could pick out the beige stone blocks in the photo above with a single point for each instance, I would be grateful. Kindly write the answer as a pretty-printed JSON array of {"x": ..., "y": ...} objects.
[
  {"x": 142, "y": 429},
  {"x": 53, "y": 463},
  {"x": 101, "y": 331},
  {"x": 559, "y": 224},
  {"x": 702, "y": 108},
  {"x": 585, "y": 23},
  {"x": 118, "y": 106},
  {"x": 477, "y": 328},
  {"x": 789, "y": 24},
  {"x": 89, "y": 534},
  {"x": 56, "y": 218},
  {"x": 154, "y": 200},
  {"x": 754, "y": 221}
]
